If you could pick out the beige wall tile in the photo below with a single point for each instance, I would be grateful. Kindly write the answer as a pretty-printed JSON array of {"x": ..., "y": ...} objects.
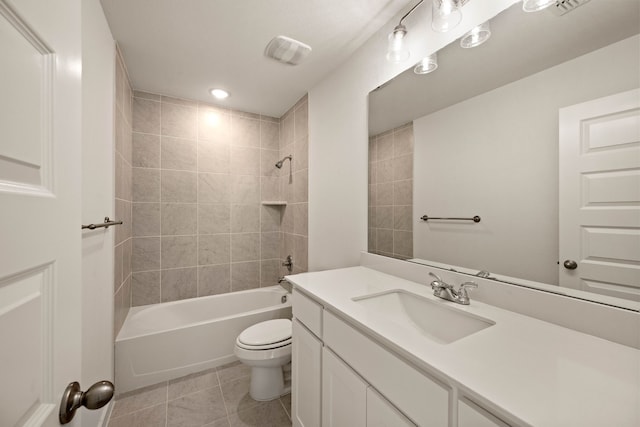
[
  {"x": 245, "y": 247},
  {"x": 214, "y": 124},
  {"x": 146, "y": 95},
  {"x": 214, "y": 249},
  {"x": 146, "y": 150},
  {"x": 214, "y": 157},
  {"x": 145, "y": 288},
  {"x": 301, "y": 154},
  {"x": 269, "y": 272},
  {"x": 270, "y": 188},
  {"x": 214, "y": 219},
  {"x": 402, "y": 218},
  {"x": 214, "y": 188},
  {"x": 179, "y": 218},
  {"x": 145, "y": 254},
  {"x": 146, "y": 116},
  {"x": 180, "y": 154},
  {"x": 146, "y": 185},
  {"x": 214, "y": 279},
  {"x": 179, "y": 120},
  {"x": 403, "y": 243},
  {"x": 120, "y": 191},
  {"x": 288, "y": 219},
  {"x": 179, "y": 101},
  {"x": 301, "y": 121},
  {"x": 384, "y": 171},
  {"x": 179, "y": 251},
  {"x": 300, "y": 223},
  {"x": 270, "y": 218},
  {"x": 385, "y": 147},
  {"x": 403, "y": 167},
  {"x": 146, "y": 219},
  {"x": 245, "y": 160},
  {"x": 245, "y": 275},
  {"x": 286, "y": 130},
  {"x": 403, "y": 192},
  {"x": 179, "y": 283},
  {"x": 245, "y": 218},
  {"x": 245, "y": 131},
  {"x": 384, "y": 217},
  {"x": 371, "y": 247},
  {"x": 301, "y": 186},
  {"x": 300, "y": 252},
  {"x": 372, "y": 149},
  {"x": 268, "y": 159},
  {"x": 179, "y": 186},
  {"x": 385, "y": 240},
  {"x": 384, "y": 194},
  {"x": 270, "y": 245},
  {"x": 127, "y": 249},
  {"x": 270, "y": 135},
  {"x": 403, "y": 141},
  {"x": 245, "y": 189},
  {"x": 373, "y": 195},
  {"x": 117, "y": 267}
]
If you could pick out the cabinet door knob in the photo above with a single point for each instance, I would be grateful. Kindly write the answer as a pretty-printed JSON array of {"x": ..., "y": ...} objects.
[{"x": 570, "y": 264}]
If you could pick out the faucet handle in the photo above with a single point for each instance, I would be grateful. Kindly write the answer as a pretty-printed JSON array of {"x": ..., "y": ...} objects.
[
  {"x": 467, "y": 285},
  {"x": 432, "y": 274},
  {"x": 439, "y": 282}
]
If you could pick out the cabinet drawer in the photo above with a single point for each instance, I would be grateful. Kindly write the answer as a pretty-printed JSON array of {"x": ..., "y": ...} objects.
[
  {"x": 421, "y": 398},
  {"x": 308, "y": 312}
]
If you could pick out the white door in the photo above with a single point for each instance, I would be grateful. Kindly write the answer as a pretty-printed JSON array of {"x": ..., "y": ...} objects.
[
  {"x": 600, "y": 195},
  {"x": 381, "y": 413},
  {"x": 40, "y": 313}
]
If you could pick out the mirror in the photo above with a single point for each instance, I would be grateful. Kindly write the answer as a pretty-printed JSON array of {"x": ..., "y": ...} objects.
[{"x": 480, "y": 137}]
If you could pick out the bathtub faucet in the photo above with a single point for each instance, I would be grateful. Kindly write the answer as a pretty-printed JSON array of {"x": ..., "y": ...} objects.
[{"x": 288, "y": 263}]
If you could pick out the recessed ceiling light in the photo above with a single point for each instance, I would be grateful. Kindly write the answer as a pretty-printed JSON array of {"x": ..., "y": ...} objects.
[{"x": 219, "y": 93}]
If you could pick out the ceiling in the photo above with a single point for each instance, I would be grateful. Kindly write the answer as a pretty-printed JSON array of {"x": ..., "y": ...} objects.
[
  {"x": 184, "y": 48},
  {"x": 521, "y": 44}
]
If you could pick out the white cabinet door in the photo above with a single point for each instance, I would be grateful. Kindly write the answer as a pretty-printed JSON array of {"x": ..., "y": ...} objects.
[
  {"x": 381, "y": 413},
  {"x": 344, "y": 394},
  {"x": 306, "y": 365},
  {"x": 470, "y": 415}
]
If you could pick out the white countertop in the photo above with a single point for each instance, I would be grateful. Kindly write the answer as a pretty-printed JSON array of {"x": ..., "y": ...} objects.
[{"x": 540, "y": 373}]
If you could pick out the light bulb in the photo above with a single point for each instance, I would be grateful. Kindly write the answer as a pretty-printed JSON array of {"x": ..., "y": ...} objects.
[
  {"x": 445, "y": 15},
  {"x": 476, "y": 36},
  {"x": 219, "y": 93},
  {"x": 536, "y": 5},
  {"x": 427, "y": 65},
  {"x": 396, "y": 51}
]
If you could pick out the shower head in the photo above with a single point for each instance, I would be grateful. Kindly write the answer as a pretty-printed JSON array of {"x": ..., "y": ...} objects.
[{"x": 280, "y": 162}]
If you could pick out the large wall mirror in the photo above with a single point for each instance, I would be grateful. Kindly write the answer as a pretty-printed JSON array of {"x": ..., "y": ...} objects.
[{"x": 536, "y": 132}]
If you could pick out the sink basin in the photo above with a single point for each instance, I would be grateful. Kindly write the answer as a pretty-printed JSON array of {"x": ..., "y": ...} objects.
[{"x": 431, "y": 319}]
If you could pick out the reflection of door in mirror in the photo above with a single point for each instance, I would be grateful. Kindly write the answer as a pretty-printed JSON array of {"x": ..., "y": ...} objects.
[
  {"x": 600, "y": 195},
  {"x": 391, "y": 192}
]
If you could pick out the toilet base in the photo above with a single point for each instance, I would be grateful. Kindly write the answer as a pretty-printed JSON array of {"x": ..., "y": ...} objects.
[{"x": 267, "y": 383}]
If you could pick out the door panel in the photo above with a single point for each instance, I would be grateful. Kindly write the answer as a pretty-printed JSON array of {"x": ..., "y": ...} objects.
[
  {"x": 39, "y": 199},
  {"x": 600, "y": 195}
]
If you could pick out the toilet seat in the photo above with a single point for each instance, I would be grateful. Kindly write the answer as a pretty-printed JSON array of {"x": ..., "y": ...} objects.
[{"x": 266, "y": 335}]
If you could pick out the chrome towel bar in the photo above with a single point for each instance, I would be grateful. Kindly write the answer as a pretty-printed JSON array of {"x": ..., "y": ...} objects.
[
  {"x": 427, "y": 218},
  {"x": 106, "y": 224}
]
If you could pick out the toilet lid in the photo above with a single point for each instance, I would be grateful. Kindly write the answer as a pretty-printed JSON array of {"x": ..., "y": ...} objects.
[{"x": 264, "y": 333}]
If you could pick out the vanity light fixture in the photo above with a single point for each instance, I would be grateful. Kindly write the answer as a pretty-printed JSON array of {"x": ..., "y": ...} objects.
[
  {"x": 536, "y": 5},
  {"x": 427, "y": 65},
  {"x": 445, "y": 15},
  {"x": 396, "y": 50},
  {"x": 219, "y": 93},
  {"x": 478, "y": 35}
]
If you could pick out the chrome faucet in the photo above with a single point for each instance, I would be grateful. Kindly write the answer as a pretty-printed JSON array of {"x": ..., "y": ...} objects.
[{"x": 443, "y": 290}]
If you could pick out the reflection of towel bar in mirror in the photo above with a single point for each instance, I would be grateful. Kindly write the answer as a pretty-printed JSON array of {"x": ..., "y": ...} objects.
[
  {"x": 427, "y": 218},
  {"x": 106, "y": 224}
]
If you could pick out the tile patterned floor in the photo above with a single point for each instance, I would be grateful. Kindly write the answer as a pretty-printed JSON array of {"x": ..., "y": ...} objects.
[{"x": 214, "y": 398}]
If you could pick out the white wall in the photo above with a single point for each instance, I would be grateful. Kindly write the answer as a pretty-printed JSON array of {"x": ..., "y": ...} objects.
[
  {"x": 338, "y": 135},
  {"x": 98, "y": 68},
  {"x": 496, "y": 155}
]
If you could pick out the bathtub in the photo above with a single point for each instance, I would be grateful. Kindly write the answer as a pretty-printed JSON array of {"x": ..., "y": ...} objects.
[{"x": 165, "y": 341}]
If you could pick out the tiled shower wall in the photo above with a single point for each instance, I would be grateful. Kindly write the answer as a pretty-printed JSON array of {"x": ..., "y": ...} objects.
[
  {"x": 391, "y": 192},
  {"x": 294, "y": 140},
  {"x": 123, "y": 155},
  {"x": 200, "y": 174}
]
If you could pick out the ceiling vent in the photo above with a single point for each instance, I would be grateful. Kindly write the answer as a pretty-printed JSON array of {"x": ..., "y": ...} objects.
[
  {"x": 565, "y": 6},
  {"x": 287, "y": 50}
]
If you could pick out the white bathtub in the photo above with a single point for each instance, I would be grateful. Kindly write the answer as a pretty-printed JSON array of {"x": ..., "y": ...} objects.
[{"x": 165, "y": 341}]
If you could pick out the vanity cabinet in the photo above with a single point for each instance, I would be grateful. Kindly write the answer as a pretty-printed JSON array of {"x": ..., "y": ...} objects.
[
  {"x": 380, "y": 413},
  {"x": 344, "y": 394}
]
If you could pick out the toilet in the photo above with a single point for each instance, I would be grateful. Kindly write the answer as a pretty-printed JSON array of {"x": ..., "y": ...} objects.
[{"x": 266, "y": 348}]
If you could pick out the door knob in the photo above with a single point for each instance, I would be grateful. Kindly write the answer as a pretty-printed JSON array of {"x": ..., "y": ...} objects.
[
  {"x": 96, "y": 397},
  {"x": 570, "y": 264}
]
